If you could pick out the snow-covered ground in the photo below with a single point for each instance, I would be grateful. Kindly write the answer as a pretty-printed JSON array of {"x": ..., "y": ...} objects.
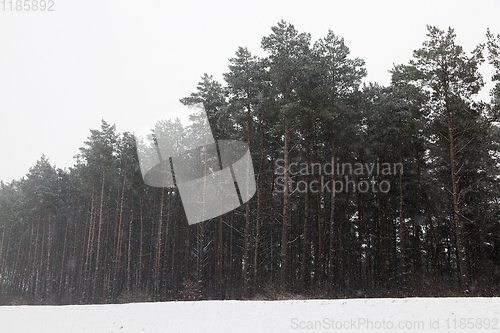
[{"x": 369, "y": 315}]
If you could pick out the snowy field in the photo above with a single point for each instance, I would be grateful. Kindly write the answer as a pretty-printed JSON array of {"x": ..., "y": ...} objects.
[{"x": 351, "y": 315}]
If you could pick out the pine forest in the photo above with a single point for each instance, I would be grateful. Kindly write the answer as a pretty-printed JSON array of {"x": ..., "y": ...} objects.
[{"x": 362, "y": 190}]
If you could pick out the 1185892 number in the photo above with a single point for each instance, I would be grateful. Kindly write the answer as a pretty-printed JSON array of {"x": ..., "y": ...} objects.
[{"x": 27, "y": 5}]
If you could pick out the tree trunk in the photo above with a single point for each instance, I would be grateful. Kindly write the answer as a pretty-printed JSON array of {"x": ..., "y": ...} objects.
[
  {"x": 259, "y": 193},
  {"x": 96, "y": 277},
  {"x": 246, "y": 254},
  {"x": 285, "y": 225},
  {"x": 332, "y": 257},
  {"x": 158, "y": 249},
  {"x": 459, "y": 228},
  {"x": 306, "y": 245},
  {"x": 401, "y": 222},
  {"x": 118, "y": 251}
]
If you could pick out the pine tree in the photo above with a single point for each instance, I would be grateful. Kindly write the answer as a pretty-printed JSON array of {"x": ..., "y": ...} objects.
[
  {"x": 288, "y": 52},
  {"x": 451, "y": 78}
]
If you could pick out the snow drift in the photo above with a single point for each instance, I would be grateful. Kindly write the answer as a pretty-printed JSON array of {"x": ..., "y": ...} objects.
[{"x": 345, "y": 315}]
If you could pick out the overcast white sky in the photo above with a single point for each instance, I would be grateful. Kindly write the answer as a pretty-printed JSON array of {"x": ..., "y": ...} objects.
[{"x": 128, "y": 62}]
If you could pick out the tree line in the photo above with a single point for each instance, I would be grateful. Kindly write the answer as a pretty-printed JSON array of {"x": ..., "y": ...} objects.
[{"x": 411, "y": 207}]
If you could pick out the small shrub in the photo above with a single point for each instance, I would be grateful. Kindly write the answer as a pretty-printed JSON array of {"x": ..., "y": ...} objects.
[{"x": 191, "y": 290}]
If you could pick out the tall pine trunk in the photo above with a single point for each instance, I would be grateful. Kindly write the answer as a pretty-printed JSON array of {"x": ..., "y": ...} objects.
[
  {"x": 332, "y": 257},
  {"x": 286, "y": 211},
  {"x": 306, "y": 245},
  {"x": 459, "y": 228},
  {"x": 99, "y": 229},
  {"x": 246, "y": 254}
]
